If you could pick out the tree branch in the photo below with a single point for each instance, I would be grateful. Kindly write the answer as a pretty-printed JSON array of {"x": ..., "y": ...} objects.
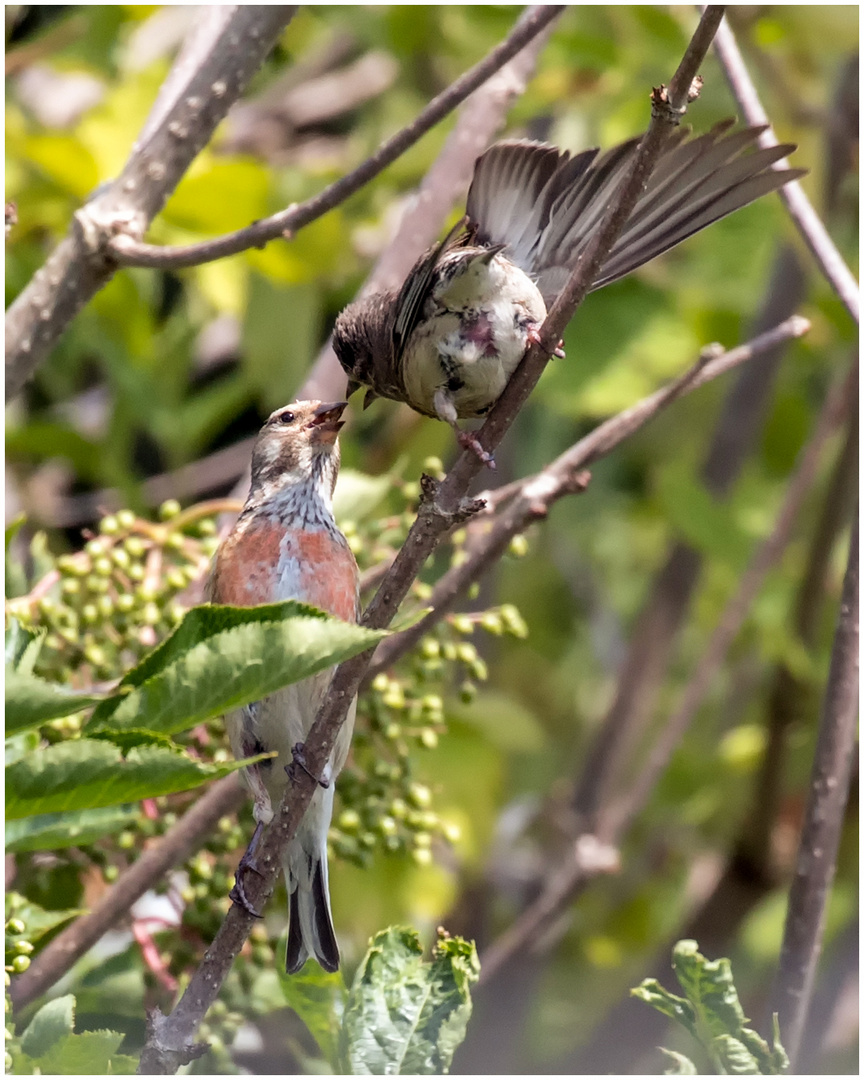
[
  {"x": 130, "y": 252},
  {"x": 214, "y": 66},
  {"x": 807, "y": 221},
  {"x": 169, "y": 1038},
  {"x": 823, "y": 821}
]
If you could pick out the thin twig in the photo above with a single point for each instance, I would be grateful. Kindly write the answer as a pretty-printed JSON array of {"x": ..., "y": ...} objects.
[
  {"x": 220, "y": 56},
  {"x": 618, "y": 817},
  {"x": 823, "y": 821},
  {"x": 49, "y": 965},
  {"x": 169, "y": 1038},
  {"x": 807, "y": 221},
  {"x": 133, "y": 253}
]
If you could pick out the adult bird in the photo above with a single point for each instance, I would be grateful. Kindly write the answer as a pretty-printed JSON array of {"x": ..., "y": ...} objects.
[
  {"x": 286, "y": 545},
  {"x": 447, "y": 342}
]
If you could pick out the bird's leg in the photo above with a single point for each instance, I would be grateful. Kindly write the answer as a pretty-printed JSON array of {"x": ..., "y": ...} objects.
[
  {"x": 247, "y": 864},
  {"x": 299, "y": 758},
  {"x": 446, "y": 410},
  {"x": 533, "y": 338}
]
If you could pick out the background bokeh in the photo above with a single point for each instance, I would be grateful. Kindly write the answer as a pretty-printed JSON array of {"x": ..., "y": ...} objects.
[{"x": 163, "y": 373}]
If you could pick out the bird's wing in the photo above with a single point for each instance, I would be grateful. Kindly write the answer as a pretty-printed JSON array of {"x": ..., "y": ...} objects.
[
  {"x": 416, "y": 288},
  {"x": 547, "y": 207}
]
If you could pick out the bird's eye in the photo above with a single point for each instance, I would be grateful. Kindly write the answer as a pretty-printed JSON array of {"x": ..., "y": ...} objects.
[{"x": 286, "y": 417}]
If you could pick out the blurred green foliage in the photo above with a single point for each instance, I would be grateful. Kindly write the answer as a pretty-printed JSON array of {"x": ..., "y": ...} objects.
[{"x": 162, "y": 369}]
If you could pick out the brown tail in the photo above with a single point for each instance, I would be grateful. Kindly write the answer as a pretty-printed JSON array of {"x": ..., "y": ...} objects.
[{"x": 545, "y": 206}]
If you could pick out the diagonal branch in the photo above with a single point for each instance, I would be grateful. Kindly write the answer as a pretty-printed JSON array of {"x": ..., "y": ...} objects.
[
  {"x": 133, "y": 253},
  {"x": 221, "y": 54},
  {"x": 807, "y": 221},
  {"x": 169, "y": 1038}
]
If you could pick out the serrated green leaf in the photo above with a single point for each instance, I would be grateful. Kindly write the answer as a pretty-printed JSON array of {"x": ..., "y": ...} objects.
[
  {"x": 31, "y": 701},
  {"x": 680, "y": 1064},
  {"x": 403, "y": 1015},
  {"x": 89, "y": 1054},
  {"x": 47, "y": 832},
  {"x": 222, "y": 657},
  {"x": 733, "y": 1057},
  {"x": 52, "y": 1024},
  {"x": 82, "y": 774},
  {"x": 318, "y": 998},
  {"x": 709, "y": 986}
]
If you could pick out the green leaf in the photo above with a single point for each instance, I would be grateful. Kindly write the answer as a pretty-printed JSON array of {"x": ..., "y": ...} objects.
[
  {"x": 38, "y": 921},
  {"x": 46, "y": 832},
  {"x": 84, "y": 774},
  {"x": 31, "y": 701},
  {"x": 709, "y": 986},
  {"x": 222, "y": 657},
  {"x": 22, "y": 647},
  {"x": 676, "y": 1008},
  {"x": 404, "y": 1015},
  {"x": 358, "y": 496},
  {"x": 733, "y": 1057},
  {"x": 679, "y": 1064},
  {"x": 53, "y": 1023},
  {"x": 92, "y": 1053},
  {"x": 318, "y": 998}
]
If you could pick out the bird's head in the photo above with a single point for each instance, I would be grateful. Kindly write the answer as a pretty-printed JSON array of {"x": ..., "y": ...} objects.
[{"x": 298, "y": 444}]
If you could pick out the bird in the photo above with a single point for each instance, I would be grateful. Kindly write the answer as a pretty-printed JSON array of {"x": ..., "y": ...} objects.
[
  {"x": 285, "y": 545},
  {"x": 447, "y": 342}
]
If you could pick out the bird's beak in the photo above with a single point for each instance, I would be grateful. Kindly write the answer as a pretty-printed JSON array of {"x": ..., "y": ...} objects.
[{"x": 326, "y": 421}]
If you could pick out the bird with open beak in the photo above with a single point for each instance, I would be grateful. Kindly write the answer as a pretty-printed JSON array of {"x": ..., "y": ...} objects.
[{"x": 286, "y": 545}]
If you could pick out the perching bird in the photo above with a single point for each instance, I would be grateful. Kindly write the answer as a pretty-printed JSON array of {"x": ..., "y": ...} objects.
[
  {"x": 286, "y": 546},
  {"x": 448, "y": 341}
]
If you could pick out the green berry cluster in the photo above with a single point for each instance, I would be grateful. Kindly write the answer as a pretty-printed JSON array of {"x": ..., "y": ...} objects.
[
  {"x": 19, "y": 948},
  {"x": 107, "y": 605}
]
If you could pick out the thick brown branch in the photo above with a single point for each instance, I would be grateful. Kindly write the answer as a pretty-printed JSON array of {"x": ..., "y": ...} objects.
[
  {"x": 133, "y": 253},
  {"x": 823, "y": 820},
  {"x": 807, "y": 221},
  {"x": 221, "y": 55}
]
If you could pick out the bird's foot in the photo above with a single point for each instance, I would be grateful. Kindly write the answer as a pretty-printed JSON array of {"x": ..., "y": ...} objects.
[
  {"x": 246, "y": 865},
  {"x": 533, "y": 338},
  {"x": 469, "y": 441},
  {"x": 298, "y": 753}
]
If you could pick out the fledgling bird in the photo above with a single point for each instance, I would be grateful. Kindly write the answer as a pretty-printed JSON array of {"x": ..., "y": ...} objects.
[
  {"x": 286, "y": 546},
  {"x": 448, "y": 341}
]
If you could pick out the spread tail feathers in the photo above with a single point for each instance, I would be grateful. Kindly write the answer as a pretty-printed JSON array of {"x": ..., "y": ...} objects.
[{"x": 545, "y": 206}]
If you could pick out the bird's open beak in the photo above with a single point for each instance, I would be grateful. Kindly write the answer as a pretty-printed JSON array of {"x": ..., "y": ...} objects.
[{"x": 326, "y": 421}]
